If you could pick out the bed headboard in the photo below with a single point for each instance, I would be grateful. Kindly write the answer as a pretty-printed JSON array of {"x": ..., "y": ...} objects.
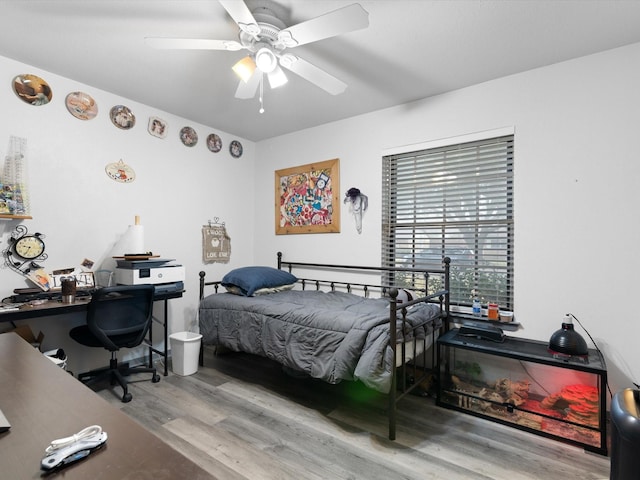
[{"x": 388, "y": 289}]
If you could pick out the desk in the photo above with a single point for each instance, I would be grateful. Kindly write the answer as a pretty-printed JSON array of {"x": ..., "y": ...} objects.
[
  {"x": 43, "y": 402},
  {"x": 55, "y": 307}
]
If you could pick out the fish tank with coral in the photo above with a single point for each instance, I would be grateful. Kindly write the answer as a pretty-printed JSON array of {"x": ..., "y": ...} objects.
[{"x": 520, "y": 383}]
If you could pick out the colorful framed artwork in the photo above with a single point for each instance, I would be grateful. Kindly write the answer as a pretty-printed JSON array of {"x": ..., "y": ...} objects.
[{"x": 307, "y": 198}]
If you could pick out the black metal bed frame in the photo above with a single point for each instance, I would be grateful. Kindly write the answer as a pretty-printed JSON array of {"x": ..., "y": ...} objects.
[{"x": 410, "y": 374}]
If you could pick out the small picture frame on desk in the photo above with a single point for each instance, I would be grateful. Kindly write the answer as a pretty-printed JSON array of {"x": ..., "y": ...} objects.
[{"x": 41, "y": 278}]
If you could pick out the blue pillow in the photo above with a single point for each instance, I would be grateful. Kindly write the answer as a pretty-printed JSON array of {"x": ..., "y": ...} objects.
[{"x": 250, "y": 279}]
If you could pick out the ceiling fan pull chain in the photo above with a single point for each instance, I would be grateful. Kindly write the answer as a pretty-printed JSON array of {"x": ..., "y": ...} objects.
[{"x": 261, "y": 93}]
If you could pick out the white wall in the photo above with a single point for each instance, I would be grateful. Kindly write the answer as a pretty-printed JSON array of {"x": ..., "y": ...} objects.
[
  {"x": 576, "y": 180},
  {"x": 575, "y": 189},
  {"x": 84, "y": 213}
]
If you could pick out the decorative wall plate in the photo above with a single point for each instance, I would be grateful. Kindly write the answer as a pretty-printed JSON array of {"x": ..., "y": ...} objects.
[
  {"x": 235, "y": 148},
  {"x": 32, "y": 89},
  {"x": 81, "y": 105},
  {"x": 214, "y": 143},
  {"x": 188, "y": 136},
  {"x": 122, "y": 117},
  {"x": 120, "y": 172},
  {"x": 157, "y": 127}
]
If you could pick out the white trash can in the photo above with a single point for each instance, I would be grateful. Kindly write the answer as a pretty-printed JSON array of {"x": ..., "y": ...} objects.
[{"x": 185, "y": 352}]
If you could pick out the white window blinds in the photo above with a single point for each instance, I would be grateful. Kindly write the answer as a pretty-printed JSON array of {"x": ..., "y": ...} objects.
[{"x": 454, "y": 201}]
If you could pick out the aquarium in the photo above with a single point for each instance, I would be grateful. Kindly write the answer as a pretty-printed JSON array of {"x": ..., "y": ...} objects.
[{"x": 520, "y": 383}]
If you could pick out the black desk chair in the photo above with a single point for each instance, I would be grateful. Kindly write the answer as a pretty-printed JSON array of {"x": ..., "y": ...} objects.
[{"x": 117, "y": 317}]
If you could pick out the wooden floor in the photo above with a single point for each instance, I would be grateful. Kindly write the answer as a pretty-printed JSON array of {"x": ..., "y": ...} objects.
[{"x": 242, "y": 417}]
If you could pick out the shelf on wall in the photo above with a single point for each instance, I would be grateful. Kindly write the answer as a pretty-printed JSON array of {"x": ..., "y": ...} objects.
[{"x": 17, "y": 217}]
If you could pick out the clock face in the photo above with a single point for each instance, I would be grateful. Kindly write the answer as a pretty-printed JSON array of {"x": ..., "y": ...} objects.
[{"x": 29, "y": 246}]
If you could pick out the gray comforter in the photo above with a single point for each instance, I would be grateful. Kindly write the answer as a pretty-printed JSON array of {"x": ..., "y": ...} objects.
[{"x": 328, "y": 335}]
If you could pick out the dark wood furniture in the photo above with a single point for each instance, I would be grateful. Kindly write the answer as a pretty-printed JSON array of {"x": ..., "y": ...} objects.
[
  {"x": 43, "y": 403},
  {"x": 519, "y": 383},
  {"x": 56, "y": 308}
]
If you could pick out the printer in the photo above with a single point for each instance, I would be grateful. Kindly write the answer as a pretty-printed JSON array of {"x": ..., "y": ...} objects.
[{"x": 154, "y": 271}]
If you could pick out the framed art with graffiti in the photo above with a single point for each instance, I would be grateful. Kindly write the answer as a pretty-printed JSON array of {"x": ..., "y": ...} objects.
[{"x": 307, "y": 198}]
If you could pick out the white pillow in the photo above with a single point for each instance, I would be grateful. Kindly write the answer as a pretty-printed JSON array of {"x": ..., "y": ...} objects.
[{"x": 405, "y": 295}]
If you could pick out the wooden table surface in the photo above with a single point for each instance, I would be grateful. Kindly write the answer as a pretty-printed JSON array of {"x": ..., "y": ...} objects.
[{"x": 43, "y": 403}]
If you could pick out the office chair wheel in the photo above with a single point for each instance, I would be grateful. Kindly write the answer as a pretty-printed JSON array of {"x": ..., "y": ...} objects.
[
  {"x": 155, "y": 378},
  {"x": 126, "y": 398}
]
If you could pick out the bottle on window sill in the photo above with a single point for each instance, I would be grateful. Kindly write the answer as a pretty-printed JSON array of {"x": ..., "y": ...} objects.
[
  {"x": 477, "y": 308},
  {"x": 492, "y": 311}
]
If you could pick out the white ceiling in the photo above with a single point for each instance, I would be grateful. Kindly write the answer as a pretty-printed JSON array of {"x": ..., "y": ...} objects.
[{"x": 412, "y": 49}]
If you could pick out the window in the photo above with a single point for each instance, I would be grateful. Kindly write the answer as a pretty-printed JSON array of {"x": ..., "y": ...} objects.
[{"x": 455, "y": 201}]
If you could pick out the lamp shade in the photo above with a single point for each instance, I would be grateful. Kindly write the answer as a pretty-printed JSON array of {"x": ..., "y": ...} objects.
[
  {"x": 277, "y": 78},
  {"x": 266, "y": 60},
  {"x": 245, "y": 68},
  {"x": 568, "y": 341}
]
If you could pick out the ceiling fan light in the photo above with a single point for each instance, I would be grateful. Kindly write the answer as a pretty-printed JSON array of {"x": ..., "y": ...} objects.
[
  {"x": 244, "y": 68},
  {"x": 266, "y": 60},
  {"x": 277, "y": 78}
]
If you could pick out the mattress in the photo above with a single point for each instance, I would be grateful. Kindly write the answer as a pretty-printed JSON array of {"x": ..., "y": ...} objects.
[{"x": 332, "y": 336}]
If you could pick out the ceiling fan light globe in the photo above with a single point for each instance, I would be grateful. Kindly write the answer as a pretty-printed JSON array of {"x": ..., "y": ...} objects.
[
  {"x": 277, "y": 78},
  {"x": 266, "y": 60},
  {"x": 244, "y": 68}
]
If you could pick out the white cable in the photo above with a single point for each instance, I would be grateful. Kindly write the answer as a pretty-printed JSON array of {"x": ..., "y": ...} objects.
[{"x": 93, "y": 430}]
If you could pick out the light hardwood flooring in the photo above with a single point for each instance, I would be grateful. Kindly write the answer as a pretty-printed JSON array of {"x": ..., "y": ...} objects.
[{"x": 242, "y": 418}]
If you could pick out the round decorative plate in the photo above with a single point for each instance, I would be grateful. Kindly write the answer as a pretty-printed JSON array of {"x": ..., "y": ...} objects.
[
  {"x": 122, "y": 117},
  {"x": 81, "y": 105},
  {"x": 235, "y": 148},
  {"x": 214, "y": 143},
  {"x": 32, "y": 89},
  {"x": 157, "y": 127},
  {"x": 188, "y": 136},
  {"x": 120, "y": 172}
]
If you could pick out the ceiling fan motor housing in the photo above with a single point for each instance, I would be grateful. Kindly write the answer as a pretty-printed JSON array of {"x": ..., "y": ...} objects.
[{"x": 270, "y": 26}]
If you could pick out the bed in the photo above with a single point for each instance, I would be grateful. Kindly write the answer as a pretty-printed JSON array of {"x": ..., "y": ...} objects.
[{"x": 334, "y": 330}]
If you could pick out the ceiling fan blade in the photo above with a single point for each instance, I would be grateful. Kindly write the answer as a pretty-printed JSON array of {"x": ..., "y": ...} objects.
[
  {"x": 248, "y": 89},
  {"x": 313, "y": 74},
  {"x": 343, "y": 20},
  {"x": 192, "y": 44},
  {"x": 242, "y": 16}
]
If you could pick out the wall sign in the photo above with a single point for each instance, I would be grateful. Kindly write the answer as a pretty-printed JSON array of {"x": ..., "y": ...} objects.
[{"x": 216, "y": 244}]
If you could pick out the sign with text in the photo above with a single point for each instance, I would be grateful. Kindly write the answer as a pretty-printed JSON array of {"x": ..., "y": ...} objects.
[{"x": 216, "y": 244}]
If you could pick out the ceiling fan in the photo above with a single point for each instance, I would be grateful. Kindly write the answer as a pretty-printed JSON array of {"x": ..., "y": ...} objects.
[{"x": 268, "y": 41}]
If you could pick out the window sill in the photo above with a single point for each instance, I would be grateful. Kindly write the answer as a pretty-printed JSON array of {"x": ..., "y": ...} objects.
[{"x": 464, "y": 318}]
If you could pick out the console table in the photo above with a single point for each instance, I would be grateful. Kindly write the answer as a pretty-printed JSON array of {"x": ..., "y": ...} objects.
[
  {"x": 43, "y": 403},
  {"x": 519, "y": 383}
]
